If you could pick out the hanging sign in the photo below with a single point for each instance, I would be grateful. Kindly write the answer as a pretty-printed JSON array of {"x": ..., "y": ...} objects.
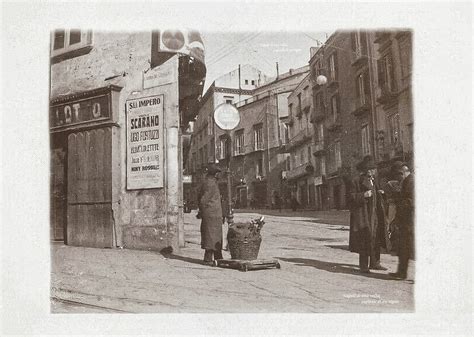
[
  {"x": 145, "y": 142},
  {"x": 226, "y": 116}
]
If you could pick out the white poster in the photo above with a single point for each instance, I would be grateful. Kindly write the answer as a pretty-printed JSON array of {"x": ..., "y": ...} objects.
[{"x": 145, "y": 142}]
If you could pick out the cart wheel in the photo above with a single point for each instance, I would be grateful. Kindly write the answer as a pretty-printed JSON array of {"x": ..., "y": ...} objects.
[
  {"x": 278, "y": 265},
  {"x": 214, "y": 263}
]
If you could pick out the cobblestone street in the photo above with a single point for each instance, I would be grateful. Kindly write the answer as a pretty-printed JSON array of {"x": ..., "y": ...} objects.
[{"x": 318, "y": 274}]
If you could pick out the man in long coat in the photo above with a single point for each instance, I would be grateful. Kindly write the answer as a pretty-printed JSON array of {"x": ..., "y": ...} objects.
[
  {"x": 210, "y": 211},
  {"x": 405, "y": 211},
  {"x": 367, "y": 217}
]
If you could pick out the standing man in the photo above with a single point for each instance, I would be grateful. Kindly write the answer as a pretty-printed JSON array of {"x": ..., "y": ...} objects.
[
  {"x": 405, "y": 212},
  {"x": 210, "y": 211},
  {"x": 367, "y": 217}
]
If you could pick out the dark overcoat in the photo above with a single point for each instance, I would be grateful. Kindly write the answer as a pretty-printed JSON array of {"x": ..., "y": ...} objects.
[
  {"x": 368, "y": 225},
  {"x": 405, "y": 217},
  {"x": 209, "y": 201}
]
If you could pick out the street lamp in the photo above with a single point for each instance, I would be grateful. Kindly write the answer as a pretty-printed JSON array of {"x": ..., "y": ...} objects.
[
  {"x": 321, "y": 80},
  {"x": 227, "y": 117}
]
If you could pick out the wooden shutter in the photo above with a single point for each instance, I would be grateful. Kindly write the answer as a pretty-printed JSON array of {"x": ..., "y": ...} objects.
[
  {"x": 366, "y": 87},
  {"x": 381, "y": 72}
]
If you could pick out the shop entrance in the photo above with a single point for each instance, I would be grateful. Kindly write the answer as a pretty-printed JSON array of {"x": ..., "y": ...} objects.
[
  {"x": 58, "y": 188},
  {"x": 89, "y": 188}
]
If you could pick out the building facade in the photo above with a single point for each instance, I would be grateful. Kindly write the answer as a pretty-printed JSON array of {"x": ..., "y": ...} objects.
[
  {"x": 300, "y": 146},
  {"x": 365, "y": 108},
  {"x": 115, "y": 125}
]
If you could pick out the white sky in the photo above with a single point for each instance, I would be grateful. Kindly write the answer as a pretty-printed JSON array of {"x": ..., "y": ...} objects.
[{"x": 226, "y": 50}]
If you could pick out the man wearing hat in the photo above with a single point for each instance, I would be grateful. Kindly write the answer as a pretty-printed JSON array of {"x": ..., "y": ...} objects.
[
  {"x": 210, "y": 211},
  {"x": 405, "y": 218},
  {"x": 367, "y": 217}
]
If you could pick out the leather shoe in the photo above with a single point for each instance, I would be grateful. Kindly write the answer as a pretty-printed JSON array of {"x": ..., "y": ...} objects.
[
  {"x": 378, "y": 267},
  {"x": 398, "y": 276}
]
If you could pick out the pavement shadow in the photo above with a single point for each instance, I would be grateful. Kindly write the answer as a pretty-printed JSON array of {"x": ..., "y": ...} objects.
[
  {"x": 333, "y": 267},
  {"x": 183, "y": 258}
]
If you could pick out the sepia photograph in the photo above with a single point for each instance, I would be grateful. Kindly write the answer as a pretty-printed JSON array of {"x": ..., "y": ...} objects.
[
  {"x": 291, "y": 162},
  {"x": 236, "y": 168}
]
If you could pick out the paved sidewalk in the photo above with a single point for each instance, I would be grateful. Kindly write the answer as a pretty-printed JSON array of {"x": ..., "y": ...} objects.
[{"x": 317, "y": 274}]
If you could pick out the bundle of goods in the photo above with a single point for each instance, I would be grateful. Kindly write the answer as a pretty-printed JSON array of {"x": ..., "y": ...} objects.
[{"x": 244, "y": 239}]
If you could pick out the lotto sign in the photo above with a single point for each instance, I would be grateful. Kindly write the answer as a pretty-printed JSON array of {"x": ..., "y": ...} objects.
[
  {"x": 145, "y": 142},
  {"x": 226, "y": 116}
]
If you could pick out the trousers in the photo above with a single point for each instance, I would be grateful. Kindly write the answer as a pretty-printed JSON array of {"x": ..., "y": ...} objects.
[{"x": 209, "y": 254}]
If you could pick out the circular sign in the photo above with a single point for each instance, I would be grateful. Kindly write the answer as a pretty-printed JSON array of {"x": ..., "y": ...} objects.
[{"x": 226, "y": 116}]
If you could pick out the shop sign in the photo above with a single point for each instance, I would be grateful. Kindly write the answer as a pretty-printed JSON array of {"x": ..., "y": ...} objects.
[
  {"x": 159, "y": 76},
  {"x": 145, "y": 142},
  {"x": 79, "y": 112}
]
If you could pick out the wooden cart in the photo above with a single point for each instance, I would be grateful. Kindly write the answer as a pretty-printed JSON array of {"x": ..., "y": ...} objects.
[{"x": 245, "y": 265}]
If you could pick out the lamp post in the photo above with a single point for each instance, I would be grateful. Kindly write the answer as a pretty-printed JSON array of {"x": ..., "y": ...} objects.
[{"x": 227, "y": 117}]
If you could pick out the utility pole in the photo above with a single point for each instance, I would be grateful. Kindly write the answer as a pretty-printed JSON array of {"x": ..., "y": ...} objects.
[{"x": 278, "y": 72}]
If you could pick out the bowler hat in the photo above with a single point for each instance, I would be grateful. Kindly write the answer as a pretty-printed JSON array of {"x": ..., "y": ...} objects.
[
  {"x": 213, "y": 168},
  {"x": 366, "y": 164}
]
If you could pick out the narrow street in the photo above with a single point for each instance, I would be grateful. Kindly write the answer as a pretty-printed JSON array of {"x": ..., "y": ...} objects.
[{"x": 318, "y": 274}]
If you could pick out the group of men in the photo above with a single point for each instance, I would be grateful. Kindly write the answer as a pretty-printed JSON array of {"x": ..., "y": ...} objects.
[
  {"x": 369, "y": 217},
  {"x": 372, "y": 209}
]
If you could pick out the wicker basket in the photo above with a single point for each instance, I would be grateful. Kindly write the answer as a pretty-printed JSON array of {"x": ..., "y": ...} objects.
[{"x": 244, "y": 249}]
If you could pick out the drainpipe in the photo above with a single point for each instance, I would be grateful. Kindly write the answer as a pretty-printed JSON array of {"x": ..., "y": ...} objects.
[{"x": 372, "y": 95}]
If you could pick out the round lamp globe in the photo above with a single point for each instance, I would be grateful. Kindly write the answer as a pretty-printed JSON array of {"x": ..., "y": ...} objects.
[{"x": 321, "y": 80}]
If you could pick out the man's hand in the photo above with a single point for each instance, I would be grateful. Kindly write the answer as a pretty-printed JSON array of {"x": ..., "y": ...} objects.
[{"x": 368, "y": 194}]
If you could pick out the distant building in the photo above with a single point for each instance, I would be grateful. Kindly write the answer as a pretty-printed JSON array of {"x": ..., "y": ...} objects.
[
  {"x": 300, "y": 145},
  {"x": 254, "y": 144}
]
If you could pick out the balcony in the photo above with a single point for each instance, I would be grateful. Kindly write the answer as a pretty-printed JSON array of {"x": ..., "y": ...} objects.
[
  {"x": 318, "y": 114},
  {"x": 359, "y": 58},
  {"x": 302, "y": 137},
  {"x": 319, "y": 148},
  {"x": 299, "y": 171},
  {"x": 362, "y": 109},
  {"x": 335, "y": 126},
  {"x": 387, "y": 95}
]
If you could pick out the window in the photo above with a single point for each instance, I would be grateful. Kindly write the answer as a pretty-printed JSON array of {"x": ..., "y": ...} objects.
[
  {"x": 258, "y": 137},
  {"x": 335, "y": 107},
  {"x": 224, "y": 147},
  {"x": 246, "y": 81},
  {"x": 319, "y": 102},
  {"x": 337, "y": 152},
  {"x": 210, "y": 125},
  {"x": 299, "y": 112},
  {"x": 320, "y": 132},
  {"x": 394, "y": 128},
  {"x": 253, "y": 82},
  {"x": 259, "y": 168},
  {"x": 239, "y": 142},
  {"x": 359, "y": 44},
  {"x": 323, "y": 165},
  {"x": 365, "y": 137},
  {"x": 332, "y": 66},
  {"x": 386, "y": 73},
  {"x": 206, "y": 154},
  {"x": 71, "y": 42},
  {"x": 309, "y": 154},
  {"x": 363, "y": 89},
  {"x": 229, "y": 99}
]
